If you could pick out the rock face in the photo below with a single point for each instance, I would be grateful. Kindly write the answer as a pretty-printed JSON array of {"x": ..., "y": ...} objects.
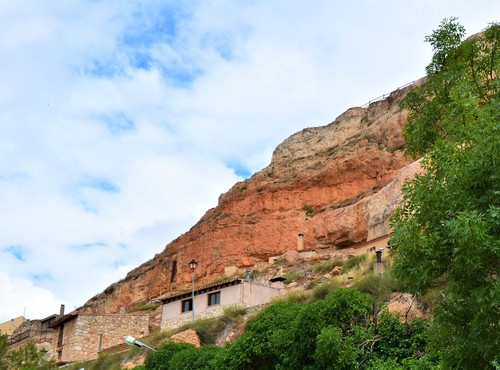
[{"x": 336, "y": 185}]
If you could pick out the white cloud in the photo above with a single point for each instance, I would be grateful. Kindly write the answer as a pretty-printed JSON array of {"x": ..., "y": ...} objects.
[
  {"x": 122, "y": 122},
  {"x": 21, "y": 297}
]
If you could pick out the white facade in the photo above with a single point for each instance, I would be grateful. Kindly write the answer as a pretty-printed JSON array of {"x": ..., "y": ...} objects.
[{"x": 209, "y": 301}]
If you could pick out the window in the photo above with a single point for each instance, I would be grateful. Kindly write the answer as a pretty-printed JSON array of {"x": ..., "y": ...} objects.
[
  {"x": 214, "y": 298},
  {"x": 187, "y": 305}
]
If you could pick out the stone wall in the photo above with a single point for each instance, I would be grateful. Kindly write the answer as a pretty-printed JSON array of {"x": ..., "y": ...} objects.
[
  {"x": 30, "y": 330},
  {"x": 86, "y": 335}
]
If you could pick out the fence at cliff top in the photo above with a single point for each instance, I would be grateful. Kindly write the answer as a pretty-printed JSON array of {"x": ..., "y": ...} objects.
[{"x": 382, "y": 97}]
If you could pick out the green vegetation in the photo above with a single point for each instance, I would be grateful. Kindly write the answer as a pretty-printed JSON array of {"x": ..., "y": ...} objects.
[
  {"x": 446, "y": 251},
  {"x": 326, "y": 267},
  {"x": 334, "y": 333},
  {"x": 322, "y": 290},
  {"x": 27, "y": 357},
  {"x": 233, "y": 312},
  {"x": 308, "y": 210},
  {"x": 143, "y": 306},
  {"x": 379, "y": 287},
  {"x": 353, "y": 263},
  {"x": 447, "y": 232},
  {"x": 292, "y": 276}
]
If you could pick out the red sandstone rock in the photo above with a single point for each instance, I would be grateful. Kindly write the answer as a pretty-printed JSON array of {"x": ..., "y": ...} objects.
[{"x": 337, "y": 184}]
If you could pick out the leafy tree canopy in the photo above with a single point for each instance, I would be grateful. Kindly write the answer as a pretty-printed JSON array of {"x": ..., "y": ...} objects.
[{"x": 447, "y": 232}]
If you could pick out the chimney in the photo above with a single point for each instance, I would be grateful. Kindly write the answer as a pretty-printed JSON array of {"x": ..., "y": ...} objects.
[
  {"x": 61, "y": 311},
  {"x": 378, "y": 268},
  {"x": 300, "y": 242}
]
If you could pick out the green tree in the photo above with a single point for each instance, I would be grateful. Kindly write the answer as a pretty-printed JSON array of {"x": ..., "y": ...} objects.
[
  {"x": 266, "y": 342},
  {"x": 28, "y": 357},
  {"x": 447, "y": 231},
  {"x": 344, "y": 309},
  {"x": 4, "y": 347},
  {"x": 195, "y": 358},
  {"x": 160, "y": 360}
]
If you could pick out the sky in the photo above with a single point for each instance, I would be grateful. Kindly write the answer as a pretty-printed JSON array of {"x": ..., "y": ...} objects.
[{"x": 122, "y": 121}]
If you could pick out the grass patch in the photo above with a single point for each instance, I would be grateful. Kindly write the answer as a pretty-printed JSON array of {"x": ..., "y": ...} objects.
[
  {"x": 353, "y": 263},
  {"x": 379, "y": 287},
  {"x": 208, "y": 329},
  {"x": 104, "y": 361},
  {"x": 157, "y": 338},
  {"x": 322, "y": 290},
  {"x": 233, "y": 312},
  {"x": 326, "y": 267},
  {"x": 143, "y": 306},
  {"x": 297, "y": 296},
  {"x": 291, "y": 276}
]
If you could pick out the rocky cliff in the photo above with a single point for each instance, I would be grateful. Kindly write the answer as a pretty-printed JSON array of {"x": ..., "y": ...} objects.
[{"x": 336, "y": 185}]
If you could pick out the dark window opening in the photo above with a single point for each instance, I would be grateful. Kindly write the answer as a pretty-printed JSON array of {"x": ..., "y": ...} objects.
[
  {"x": 187, "y": 305},
  {"x": 174, "y": 271},
  {"x": 214, "y": 298}
]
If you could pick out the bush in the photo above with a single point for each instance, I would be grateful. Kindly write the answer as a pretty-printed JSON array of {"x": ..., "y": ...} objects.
[
  {"x": 400, "y": 340},
  {"x": 208, "y": 329},
  {"x": 234, "y": 312},
  {"x": 194, "y": 358},
  {"x": 296, "y": 296},
  {"x": 308, "y": 210},
  {"x": 266, "y": 341},
  {"x": 160, "y": 360},
  {"x": 378, "y": 286},
  {"x": 291, "y": 276},
  {"x": 322, "y": 290},
  {"x": 334, "y": 351},
  {"x": 326, "y": 267},
  {"x": 353, "y": 263}
]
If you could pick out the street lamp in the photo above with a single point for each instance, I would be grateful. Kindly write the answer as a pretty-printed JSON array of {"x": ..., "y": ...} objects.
[
  {"x": 192, "y": 265},
  {"x": 134, "y": 342}
]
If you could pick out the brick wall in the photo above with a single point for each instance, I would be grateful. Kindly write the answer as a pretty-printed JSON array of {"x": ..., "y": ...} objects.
[{"x": 86, "y": 335}]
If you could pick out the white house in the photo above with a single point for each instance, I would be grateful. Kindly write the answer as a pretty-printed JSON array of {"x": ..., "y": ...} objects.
[{"x": 210, "y": 300}]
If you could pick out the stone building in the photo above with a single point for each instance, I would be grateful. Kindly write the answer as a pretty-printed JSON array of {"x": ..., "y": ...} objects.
[
  {"x": 210, "y": 300},
  {"x": 37, "y": 331},
  {"x": 82, "y": 336}
]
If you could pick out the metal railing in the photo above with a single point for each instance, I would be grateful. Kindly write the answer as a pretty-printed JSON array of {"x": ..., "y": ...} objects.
[{"x": 382, "y": 97}]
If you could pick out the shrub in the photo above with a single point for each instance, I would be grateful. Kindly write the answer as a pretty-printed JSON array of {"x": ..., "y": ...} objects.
[
  {"x": 296, "y": 296},
  {"x": 335, "y": 351},
  {"x": 144, "y": 306},
  {"x": 353, "y": 263},
  {"x": 234, "y": 312},
  {"x": 291, "y": 276},
  {"x": 325, "y": 267},
  {"x": 194, "y": 358},
  {"x": 322, "y": 290},
  {"x": 400, "y": 340},
  {"x": 266, "y": 341},
  {"x": 208, "y": 329},
  {"x": 308, "y": 210},
  {"x": 378, "y": 286},
  {"x": 160, "y": 360},
  {"x": 157, "y": 338}
]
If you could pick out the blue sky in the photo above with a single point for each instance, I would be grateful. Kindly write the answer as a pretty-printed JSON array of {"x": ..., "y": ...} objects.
[{"x": 121, "y": 122}]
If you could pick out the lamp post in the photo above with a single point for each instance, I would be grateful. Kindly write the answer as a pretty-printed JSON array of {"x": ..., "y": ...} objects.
[
  {"x": 192, "y": 265},
  {"x": 134, "y": 342}
]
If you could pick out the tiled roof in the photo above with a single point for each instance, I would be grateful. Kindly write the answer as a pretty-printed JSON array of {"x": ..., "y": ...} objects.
[
  {"x": 175, "y": 296},
  {"x": 63, "y": 319}
]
